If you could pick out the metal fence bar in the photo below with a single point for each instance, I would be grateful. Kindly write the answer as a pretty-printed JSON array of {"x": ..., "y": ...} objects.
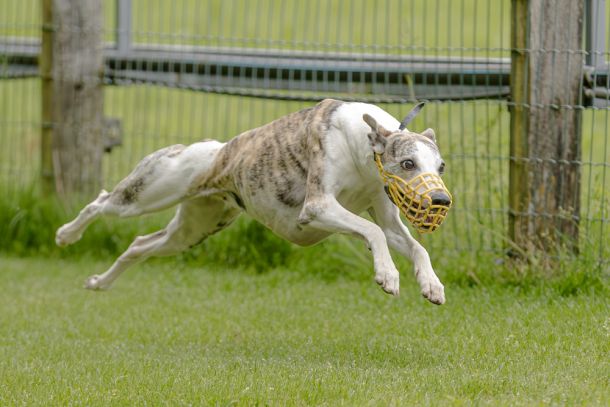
[
  {"x": 205, "y": 68},
  {"x": 595, "y": 33},
  {"x": 123, "y": 29},
  {"x": 209, "y": 68},
  {"x": 596, "y": 84}
]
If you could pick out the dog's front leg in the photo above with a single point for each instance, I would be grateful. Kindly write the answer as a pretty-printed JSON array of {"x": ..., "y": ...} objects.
[
  {"x": 387, "y": 216},
  {"x": 327, "y": 214}
]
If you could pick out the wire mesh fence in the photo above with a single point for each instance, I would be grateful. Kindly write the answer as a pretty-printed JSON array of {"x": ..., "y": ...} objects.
[{"x": 182, "y": 71}]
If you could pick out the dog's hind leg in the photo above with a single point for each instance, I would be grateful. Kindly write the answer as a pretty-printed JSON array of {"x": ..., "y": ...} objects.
[
  {"x": 72, "y": 232},
  {"x": 195, "y": 220},
  {"x": 161, "y": 180}
]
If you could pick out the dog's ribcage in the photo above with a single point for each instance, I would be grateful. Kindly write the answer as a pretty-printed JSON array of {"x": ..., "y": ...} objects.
[{"x": 267, "y": 170}]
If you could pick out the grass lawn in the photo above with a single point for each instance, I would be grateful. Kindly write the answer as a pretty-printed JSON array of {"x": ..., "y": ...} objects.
[{"x": 173, "y": 334}]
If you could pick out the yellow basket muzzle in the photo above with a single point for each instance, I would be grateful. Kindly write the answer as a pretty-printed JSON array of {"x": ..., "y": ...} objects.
[{"x": 414, "y": 198}]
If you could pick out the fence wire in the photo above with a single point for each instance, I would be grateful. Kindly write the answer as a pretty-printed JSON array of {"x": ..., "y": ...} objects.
[{"x": 184, "y": 70}]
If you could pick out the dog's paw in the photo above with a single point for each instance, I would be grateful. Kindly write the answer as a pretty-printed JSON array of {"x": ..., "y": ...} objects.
[
  {"x": 63, "y": 237},
  {"x": 434, "y": 292},
  {"x": 389, "y": 281},
  {"x": 95, "y": 283}
]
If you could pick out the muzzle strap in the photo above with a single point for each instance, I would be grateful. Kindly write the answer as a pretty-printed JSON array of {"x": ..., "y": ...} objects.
[{"x": 411, "y": 115}]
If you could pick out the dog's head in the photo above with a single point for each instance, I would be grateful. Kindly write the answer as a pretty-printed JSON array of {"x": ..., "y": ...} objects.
[{"x": 411, "y": 165}]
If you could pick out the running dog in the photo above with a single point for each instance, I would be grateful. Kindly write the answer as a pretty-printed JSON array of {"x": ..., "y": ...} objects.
[{"x": 304, "y": 176}]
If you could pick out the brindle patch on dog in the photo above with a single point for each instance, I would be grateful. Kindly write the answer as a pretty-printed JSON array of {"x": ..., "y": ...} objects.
[
  {"x": 283, "y": 158},
  {"x": 131, "y": 191},
  {"x": 127, "y": 191}
]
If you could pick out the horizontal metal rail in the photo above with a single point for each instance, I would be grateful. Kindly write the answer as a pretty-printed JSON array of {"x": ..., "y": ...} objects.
[
  {"x": 238, "y": 70},
  {"x": 298, "y": 74}
]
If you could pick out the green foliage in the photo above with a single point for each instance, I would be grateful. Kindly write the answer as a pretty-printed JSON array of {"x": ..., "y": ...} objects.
[
  {"x": 246, "y": 244},
  {"x": 25, "y": 223},
  {"x": 28, "y": 223}
]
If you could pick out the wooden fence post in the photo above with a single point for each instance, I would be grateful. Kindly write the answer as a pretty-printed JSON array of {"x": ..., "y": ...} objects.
[
  {"x": 72, "y": 96},
  {"x": 545, "y": 127},
  {"x": 46, "y": 131}
]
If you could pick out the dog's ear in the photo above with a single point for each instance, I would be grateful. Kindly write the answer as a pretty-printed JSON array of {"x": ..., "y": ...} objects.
[
  {"x": 430, "y": 134},
  {"x": 378, "y": 136},
  {"x": 376, "y": 127}
]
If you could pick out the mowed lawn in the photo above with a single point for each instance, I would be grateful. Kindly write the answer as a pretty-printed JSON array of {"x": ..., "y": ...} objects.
[{"x": 169, "y": 333}]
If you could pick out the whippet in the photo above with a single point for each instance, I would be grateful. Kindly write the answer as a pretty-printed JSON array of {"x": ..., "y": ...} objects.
[{"x": 304, "y": 176}]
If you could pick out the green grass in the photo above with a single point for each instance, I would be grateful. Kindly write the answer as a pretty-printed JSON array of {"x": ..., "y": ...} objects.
[{"x": 176, "y": 335}]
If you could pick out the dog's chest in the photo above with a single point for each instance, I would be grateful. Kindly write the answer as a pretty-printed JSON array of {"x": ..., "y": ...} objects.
[
  {"x": 347, "y": 175},
  {"x": 356, "y": 197}
]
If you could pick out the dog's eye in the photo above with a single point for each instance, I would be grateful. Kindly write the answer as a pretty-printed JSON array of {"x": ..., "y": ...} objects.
[
  {"x": 407, "y": 164},
  {"x": 441, "y": 169}
]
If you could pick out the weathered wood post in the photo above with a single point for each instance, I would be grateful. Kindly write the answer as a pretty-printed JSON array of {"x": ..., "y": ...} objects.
[
  {"x": 45, "y": 64},
  {"x": 72, "y": 94},
  {"x": 545, "y": 127}
]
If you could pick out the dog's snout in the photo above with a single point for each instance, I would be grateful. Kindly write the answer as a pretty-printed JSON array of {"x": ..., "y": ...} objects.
[{"x": 441, "y": 198}]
